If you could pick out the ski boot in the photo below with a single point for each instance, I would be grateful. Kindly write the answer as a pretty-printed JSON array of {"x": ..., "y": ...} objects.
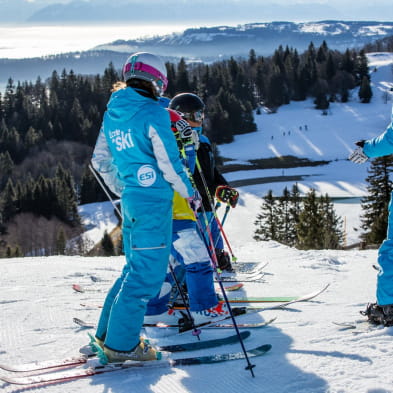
[
  {"x": 224, "y": 260},
  {"x": 379, "y": 315}
]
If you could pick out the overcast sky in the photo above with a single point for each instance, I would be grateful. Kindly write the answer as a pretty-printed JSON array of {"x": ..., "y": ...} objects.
[{"x": 242, "y": 11}]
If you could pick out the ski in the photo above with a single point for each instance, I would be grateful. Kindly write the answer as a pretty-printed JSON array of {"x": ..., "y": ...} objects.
[
  {"x": 249, "y": 325},
  {"x": 182, "y": 327},
  {"x": 78, "y": 360},
  {"x": 283, "y": 300},
  {"x": 359, "y": 326},
  {"x": 247, "y": 267},
  {"x": 237, "y": 278},
  {"x": 216, "y": 324},
  {"x": 80, "y": 289},
  {"x": 211, "y": 325},
  {"x": 234, "y": 287},
  {"x": 96, "y": 368}
]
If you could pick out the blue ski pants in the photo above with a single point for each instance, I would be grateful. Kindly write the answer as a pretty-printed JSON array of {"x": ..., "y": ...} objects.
[
  {"x": 147, "y": 238},
  {"x": 188, "y": 250},
  {"x": 385, "y": 261}
]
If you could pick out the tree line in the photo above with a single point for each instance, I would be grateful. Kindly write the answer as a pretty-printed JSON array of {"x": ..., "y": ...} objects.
[
  {"x": 305, "y": 223},
  {"x": 48, "y": 128}
]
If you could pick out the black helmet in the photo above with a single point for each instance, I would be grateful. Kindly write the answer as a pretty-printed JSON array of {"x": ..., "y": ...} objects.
[{"x": 189, "y": 105}]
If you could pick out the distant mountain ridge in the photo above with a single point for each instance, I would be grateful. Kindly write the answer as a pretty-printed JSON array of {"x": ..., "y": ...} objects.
[{"x": 205, "y": 44}]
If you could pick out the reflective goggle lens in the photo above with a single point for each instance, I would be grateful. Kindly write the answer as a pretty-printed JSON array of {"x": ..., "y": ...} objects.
[{"x": 194, "y": 116}]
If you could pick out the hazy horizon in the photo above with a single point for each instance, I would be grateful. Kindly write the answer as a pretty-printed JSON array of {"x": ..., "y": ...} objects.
[{"x": 197, "y": 12}]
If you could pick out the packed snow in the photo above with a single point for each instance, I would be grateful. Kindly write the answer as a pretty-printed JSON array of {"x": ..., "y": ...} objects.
[{"x": 310, "y": 354}]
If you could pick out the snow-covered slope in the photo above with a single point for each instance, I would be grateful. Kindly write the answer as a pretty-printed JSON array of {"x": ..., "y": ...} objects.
[
  {"x": 310, "y": 354},
  {"x": 300, "y": 130}
]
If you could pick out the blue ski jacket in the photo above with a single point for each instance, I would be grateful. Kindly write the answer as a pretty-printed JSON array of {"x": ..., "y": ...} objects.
[
  {"x": 381, "y": 145},
  {"x": 136, "y": 146}
]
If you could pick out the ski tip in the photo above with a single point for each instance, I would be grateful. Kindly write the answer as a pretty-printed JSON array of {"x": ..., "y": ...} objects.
[
  {"x": 77, "y": 288},
  {"x": 13, "y": 381},
  {"x": 261, "y": 349}
]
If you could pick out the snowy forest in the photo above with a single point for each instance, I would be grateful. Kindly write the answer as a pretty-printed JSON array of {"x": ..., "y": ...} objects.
[{"x": 48, "y": 128}]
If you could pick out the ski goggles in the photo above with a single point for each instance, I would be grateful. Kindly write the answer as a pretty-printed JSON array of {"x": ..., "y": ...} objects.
[{"x": 196, "y": 116}]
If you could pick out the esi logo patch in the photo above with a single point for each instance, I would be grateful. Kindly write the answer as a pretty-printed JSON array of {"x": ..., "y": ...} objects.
[{"x": 146, "y": 175}]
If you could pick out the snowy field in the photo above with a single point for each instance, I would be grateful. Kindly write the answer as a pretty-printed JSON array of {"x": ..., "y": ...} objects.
[{"x": 310, "y": 354}]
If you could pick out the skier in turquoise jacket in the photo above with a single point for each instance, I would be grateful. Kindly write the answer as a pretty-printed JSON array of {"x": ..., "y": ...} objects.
[
  {"x": 137, "y": 156},
  {"x": 382, "y": 311}
]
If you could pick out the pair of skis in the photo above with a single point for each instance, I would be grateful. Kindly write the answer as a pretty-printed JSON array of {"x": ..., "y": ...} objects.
[
  {"x": 57, "y": 371},
  {"x": 282, "y": 302}
]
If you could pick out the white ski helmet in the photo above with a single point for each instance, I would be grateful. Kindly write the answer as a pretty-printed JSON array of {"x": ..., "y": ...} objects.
[{"x": 143, "y": 65}]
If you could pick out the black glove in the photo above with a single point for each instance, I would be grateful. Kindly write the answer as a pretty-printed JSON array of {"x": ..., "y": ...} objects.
[
  {"x": 227, "y": 194},
  {"x": 360, "y": 143}
]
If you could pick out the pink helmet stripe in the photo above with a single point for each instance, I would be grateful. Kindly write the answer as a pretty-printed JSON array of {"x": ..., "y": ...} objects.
[{"x": 138, "y": 66}]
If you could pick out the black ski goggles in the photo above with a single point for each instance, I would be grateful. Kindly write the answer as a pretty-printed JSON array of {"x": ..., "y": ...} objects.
[{"x": 196, "y": 116}]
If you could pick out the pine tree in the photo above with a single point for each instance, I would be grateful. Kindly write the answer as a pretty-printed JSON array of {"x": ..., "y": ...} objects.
[
  {"x": 361, "y": 67},
  {"x": 284, "y": 221},
  {"x": 266, "y": 223},
  {"x": 308, "y": 227},
  {"x": 332, "y": 228},
  {"x": 252, "y": 58},
  {"x": 66, "y": 197},
  {"x": 182, "y": 82},
  {"x": 61, "y": 242},
  {"x": 375, "y": 204},
  {"x": 365, "y": 92},
  {"x": 8, "y": 199},
  {"x": 107, "y": 245},
  {"x": 6, "y": 168}
]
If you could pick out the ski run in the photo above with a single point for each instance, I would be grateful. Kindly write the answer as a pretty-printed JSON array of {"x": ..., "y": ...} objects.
[
  {"x": 309, "y": 353},
  {"x": 38, "y": 308}
]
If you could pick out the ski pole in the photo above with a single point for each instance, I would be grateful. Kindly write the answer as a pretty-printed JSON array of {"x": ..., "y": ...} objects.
[
  {"x": 198, "y": 165},
  {"x": 214, "y": 258},
  {"x": 215, "y": 265},
  {"x": 93, "y": 171},
  {"x": 228, "y": 207},
  {"x": 195, "y": 331}
]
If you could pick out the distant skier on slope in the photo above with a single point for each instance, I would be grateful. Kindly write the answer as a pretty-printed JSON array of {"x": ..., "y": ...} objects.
[
  {"x": 192, "y": 109},
  {"x": 380, "y": 312},
  {"x": 137, "y": 156}
]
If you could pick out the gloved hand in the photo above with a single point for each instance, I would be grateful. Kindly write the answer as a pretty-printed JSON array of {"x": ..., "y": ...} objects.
[
  {"x": 360, "y": 143},
  {"x": 195, "y": 201},
  {"x": 187, "y": 134},
  {"x": 227, "y": 194},
  {"x": 358, "y": 156}
]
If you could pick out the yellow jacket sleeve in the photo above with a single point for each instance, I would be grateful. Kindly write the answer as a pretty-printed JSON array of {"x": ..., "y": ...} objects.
[{"x": 181, "y": 208}]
